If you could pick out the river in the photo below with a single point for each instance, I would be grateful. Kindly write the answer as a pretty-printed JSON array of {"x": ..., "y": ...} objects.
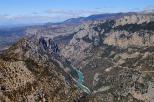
[
  {"x": 63, "y": 62},
  {"x": 80, "y": 81}
]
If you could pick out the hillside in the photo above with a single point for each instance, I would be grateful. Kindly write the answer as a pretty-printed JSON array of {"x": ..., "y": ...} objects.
[{"x": 29, "y": 73}]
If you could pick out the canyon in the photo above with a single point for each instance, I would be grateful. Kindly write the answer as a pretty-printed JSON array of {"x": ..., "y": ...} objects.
[{"x": 103, "y": 58}]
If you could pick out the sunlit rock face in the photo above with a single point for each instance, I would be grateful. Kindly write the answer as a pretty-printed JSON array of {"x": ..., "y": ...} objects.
[
  {"x": 135, "y": 19},
  {"x": 127, "y": 39}
]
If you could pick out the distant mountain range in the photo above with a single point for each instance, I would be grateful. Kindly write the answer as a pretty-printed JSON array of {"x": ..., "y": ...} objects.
[{"x": 9, "y": 34}]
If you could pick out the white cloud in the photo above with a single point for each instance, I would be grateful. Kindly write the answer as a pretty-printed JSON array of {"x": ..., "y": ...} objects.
[
  {"x": 51, "y": 15},
  {"x": 13, "y": 20},
  {"x": 150, "y": 7},
  {"x": 75, "y": 13}
]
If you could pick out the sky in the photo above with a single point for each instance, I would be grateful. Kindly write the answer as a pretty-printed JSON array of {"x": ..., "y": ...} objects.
[{"x": 42, "y": 11}]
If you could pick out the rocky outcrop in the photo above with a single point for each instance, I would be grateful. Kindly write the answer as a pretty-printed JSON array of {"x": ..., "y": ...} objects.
[
  {"x": 126, "y": 39},
  {"x": 135, "y": 19}
]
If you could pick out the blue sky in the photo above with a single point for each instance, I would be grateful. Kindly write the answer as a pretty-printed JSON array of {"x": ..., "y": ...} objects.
[{"x": 40, "y": 11}]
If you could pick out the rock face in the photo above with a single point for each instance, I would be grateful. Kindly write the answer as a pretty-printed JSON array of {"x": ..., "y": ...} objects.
[{"x": 115, "y": 56}]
